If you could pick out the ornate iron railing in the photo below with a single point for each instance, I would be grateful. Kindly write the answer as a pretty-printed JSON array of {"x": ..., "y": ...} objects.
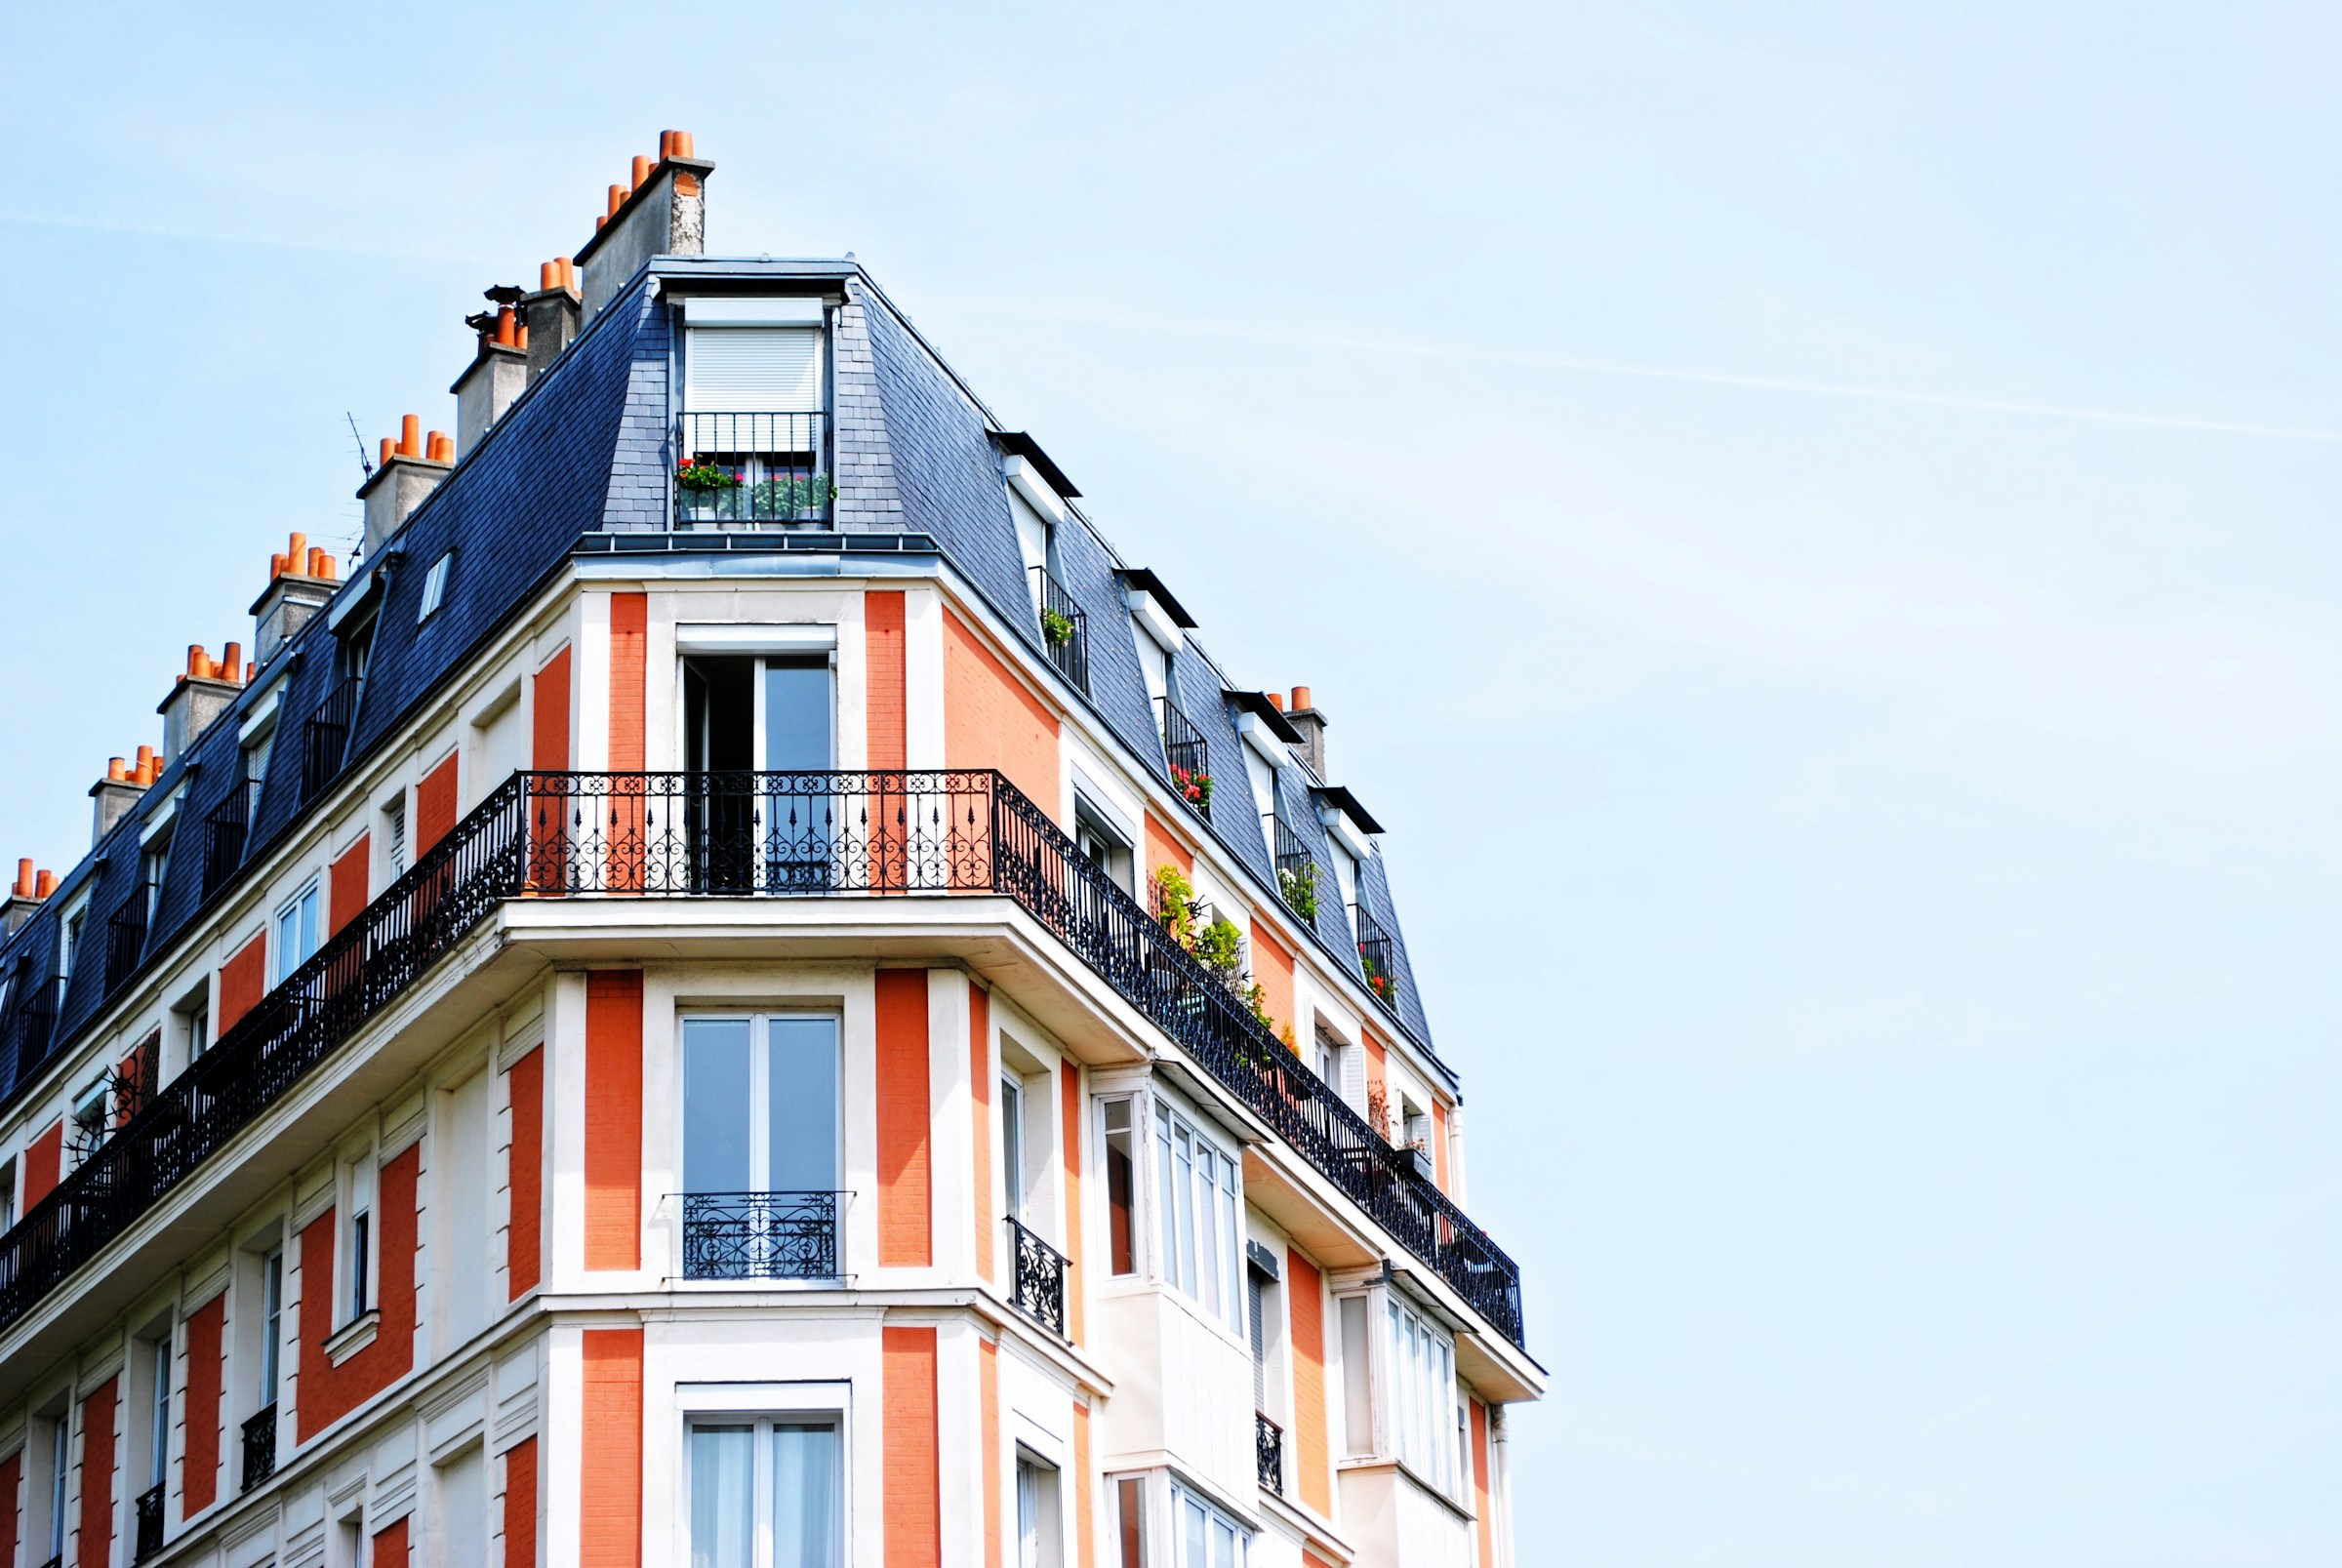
[
  {"x": 1268, "y": 1452},
  {"x": 32, "y": 1023},
  {"x": 1065, "y": 629},
  {"x": 746, "y": 468},
  {"x": 569, "y": 834},
  {"x": 1187, "y": 758},
  {"x": 223, "y": 834},
  {"x": 1378, "y": 957},
  {"x": 1038, "y": 1284},
  {"x": 325, "y": 739},
  {"x": 151, "y": 1524},
  {"x": 760, "y": 1235},
  {"x": 260, "y": 1446},
  {"x": 1297, "y": 874}
]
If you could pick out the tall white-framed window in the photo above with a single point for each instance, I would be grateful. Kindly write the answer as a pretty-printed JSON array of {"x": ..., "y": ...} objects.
[
  {"x": 1422, "y": 1384},
  {"x": 1198, "y": 1213},
  {"x": 357, "y": 1240},
  {"x": 1040, "y": 1528},
  {"x": 765, "y": 1492},
  {"x": 158, "y": 1414},
  {"x": 760, "y": 1102},
  {"x": 1202, "y": 1536},
  {"x": 1012, "y": 1144},
  {"x": 272, "y": 1325},
  {"x": 296, "y": 931},
  {"x": 394, "y": 836},
  {"x": 1121, "y": 1141},
  {"x": 60, "y": 1436}
]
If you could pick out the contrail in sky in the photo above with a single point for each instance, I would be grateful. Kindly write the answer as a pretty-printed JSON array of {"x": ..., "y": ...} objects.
[{"x": 1435, "y": 348}]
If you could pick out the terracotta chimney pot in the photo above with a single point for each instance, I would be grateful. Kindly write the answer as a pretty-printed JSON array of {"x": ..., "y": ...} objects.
[
  {"x": 44, "y": 885},
  {"x": 1277, "y": 701},
  {"x": 410, "y": 437},
  {"x": 1301, "y": 698},
  {"x": 231, "y": 661},
  {"x": 504, "y": 325},
  {"x": 643, "y": 167},
  {"x": 617, "y": 199},
  {"x": 23, "y": 887},
  {"x": 116, "y": 769}
]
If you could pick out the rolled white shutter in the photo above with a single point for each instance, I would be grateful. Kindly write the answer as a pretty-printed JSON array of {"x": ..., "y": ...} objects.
[{"x": 752, "y": 370}]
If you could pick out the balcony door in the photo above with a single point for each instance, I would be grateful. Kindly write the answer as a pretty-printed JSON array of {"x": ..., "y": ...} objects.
[
  {"x": 761, "y": 1147},
  {"x": 758, "y": 732}
]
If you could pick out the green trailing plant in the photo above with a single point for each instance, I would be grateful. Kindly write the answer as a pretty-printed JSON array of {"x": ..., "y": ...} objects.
[
  {"x": 1377, "y": 982},
  {"x": 1299, "y": 885},
  {"x": 1175, "y": 905},
  {"x": 1057, "y": 626},
  {"x": 705, "y": 477},
  {"x": 1220, "y": 946}
]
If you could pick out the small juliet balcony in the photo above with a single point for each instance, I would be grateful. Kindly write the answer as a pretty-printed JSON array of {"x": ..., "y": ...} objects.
[
  {"x": 1065, "y": 629},
  {"x": 151, "y": 1524},
  {"x": 1296, "y": 868},
  {"x": 1188, "y": 756},
  {"x": 1268, "y": 1452},
  {"x": 325, "y": 738},
  {"x": 260, "y": 1447},
  {"x": 1378, "y": 958},
  {"x": 760, "y": 1235},
  {"x": 1040, "y": 1284},
  {"x": 750, "y": 470}
]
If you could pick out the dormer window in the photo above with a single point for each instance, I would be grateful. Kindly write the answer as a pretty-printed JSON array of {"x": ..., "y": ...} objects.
[
  {"x": 752, "y": 442},
  {"x": 434, "y": 588}
]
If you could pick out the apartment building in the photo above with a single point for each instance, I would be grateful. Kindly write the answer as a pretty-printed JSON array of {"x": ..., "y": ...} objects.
[{"x": 738, "y": 990}]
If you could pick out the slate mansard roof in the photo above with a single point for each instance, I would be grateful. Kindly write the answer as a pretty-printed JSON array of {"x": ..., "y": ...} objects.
[{"x": 579, "y": 463}]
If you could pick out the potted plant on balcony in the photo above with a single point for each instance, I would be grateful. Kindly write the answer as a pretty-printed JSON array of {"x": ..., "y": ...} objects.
[
  {"x": 1420, "y": 1159},
  {"x": 1385, "y": 990},
  {"x": 1194, "y": 786},
  {"x": 701, "y": 486},
  {"x": 1299, "y": 884},
  {"x": 1057, "y": 626}
]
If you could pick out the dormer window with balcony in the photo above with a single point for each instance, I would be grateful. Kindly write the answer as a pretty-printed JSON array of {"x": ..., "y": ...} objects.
[
  {"x": 1037, "y": 492},
  {"x": 752, "y": 439}
]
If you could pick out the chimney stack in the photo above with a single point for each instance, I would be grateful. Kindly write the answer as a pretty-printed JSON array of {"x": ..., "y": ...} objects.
[
  {"x": 410, "y": 470},
  {"x": 117, "y": 793},
  {"x": 199, "y": 697},
  {"x": 300, "y": 582},
  {"x": 549, "y": 316},
  {"x": 25, "y": 898},
  {"x": 1304, "y": 716},
  {"x": 662, "y": 212},
  {"x": 497, "y": 373}
]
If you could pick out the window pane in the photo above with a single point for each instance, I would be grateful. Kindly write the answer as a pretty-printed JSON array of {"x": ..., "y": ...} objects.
[
  {"x": 1165, "y": 1204},
  {"x": 1233, "y": 1262},
  {"x": 805, "y": 1524},
  {"x": 723, "y": 1499},
  {"x": 796, "y": 716},
  {"x": 1183, "y": 1186},
  {"x": 716, "y": 1106},
  {"x": 1198, "y": 1530},
  {"x": 801, "y": 1098},
  {"x": 1207, "y": 1229}
]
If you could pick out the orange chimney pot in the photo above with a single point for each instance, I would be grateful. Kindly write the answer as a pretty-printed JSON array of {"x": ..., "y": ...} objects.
[
  {"x": 1276, "y": 701},
  {"x": 23, "y": 887},
  {"x": 504, "y": 325},
  {"x": 617, "y": 199},
  {"x": 1301, "y": 698},
  {"x": 410, "y": 437},
  {"x": 642, "y": 169},
  {"x": 675, "y": 144},
  {"x": 44, "y": 884},
  {"x": 231, "y": 661}
]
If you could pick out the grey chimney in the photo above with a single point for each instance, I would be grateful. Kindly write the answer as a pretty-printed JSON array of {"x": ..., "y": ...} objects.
[
  {"x": 1305, "y": 718},
  {"x": 411, "y": 468},
  {"x": 663, "y": 212},
  {"x": 199, "y": 697}
]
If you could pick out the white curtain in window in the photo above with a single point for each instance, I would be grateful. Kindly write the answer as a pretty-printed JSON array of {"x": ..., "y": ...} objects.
[
  {"x": 723, "y": 1498},
  {"x": 806, "y": 1532}
]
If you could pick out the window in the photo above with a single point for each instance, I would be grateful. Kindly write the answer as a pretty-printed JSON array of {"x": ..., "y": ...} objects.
[
  {"x": 70, "y": 949},
  {"x": 297, "y": 933},
  {"x": 1121, "y": 1188},
  {"x": 434, "y": 588},
  {"x": 394, "y": 834},
  {"x": 272, "y": 1324},
  {"x": 760, "y": 1107},
  {"x": 256, "y": 752},
  {"x": 1259, "y": 1298},
  {"x": 1357, "y": 1378},
  {"x": 1039, "y": 1535},
  {"x": 158, "y": 1428},
  {"x": 59, "y": 1435},
  {"x": 1101, "y": 843},
  {"x": 765, "y": 1494},
  {"x": 1423, "y": 1395},
  {"x": 154, "y": 863},
  {"x": 1203, "y": 1536},
  {"x": 752, "y": 369},
  {"x": 358, "y": 1237},
  {"x": 461, "y": 1525},
  {"x": 1196, "y": 1208},
  {"x": 1130, "y": 1521},
  {"x": 88, "y": 1121},
  {"x": 192, "y": 1021},
  {"x": 1012, "y": 1145}
]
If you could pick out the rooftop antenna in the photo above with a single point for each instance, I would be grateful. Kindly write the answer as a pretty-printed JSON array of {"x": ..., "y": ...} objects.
[{"x": 365, "y": 463}]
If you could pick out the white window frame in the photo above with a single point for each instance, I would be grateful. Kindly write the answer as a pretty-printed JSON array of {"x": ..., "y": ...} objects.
[
  {"x": 759, "y": 1095},
  {"x": 717, "y": 1407},
  {"x": 306, "y": 910},
  {"x": 1187, "y": 1503},
  {"x": 434, "y": 587},
  {"x": 357, "y": 1284},
  {"x": 1419, "y": 1392},
  {"x": 1218, "y": 1294}
]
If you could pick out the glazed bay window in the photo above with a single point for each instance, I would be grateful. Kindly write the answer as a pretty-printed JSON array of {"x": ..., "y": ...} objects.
[
  {"x": 1203, "y": 1537},
  {"x": 1199, "y": 1211},
  {"x": 761, "y": 1147},
  {"x": 765, "y": 1493},
  {"x": 1422, "y": 1389}
]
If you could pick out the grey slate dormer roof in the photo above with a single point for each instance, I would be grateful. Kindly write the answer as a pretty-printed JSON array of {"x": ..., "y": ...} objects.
[{"x": 586, "y": 452}]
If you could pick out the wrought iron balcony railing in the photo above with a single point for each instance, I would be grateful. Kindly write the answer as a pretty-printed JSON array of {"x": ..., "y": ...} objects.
[
  {"x": 760, "y": 1235},
  {"x": 1296, "y": 868},
  {"x": 1065, "y": 629},
  {"x": 1378, "y": 957},
  {"x": 1039, "y": 1281},
  {"x": 126, "y": 936},
  {"x": 260, "y": 1447},
  {"x": 1268, "y": 1452},
  {"x": 151, "y": 1524},
  {"x": 224, "y": 833},
  {"x": 741, "y": 469},
  {"x": 325, "y": 739},
  {"x": 32, "y": 1023},
  {"x": 1188, "y": 756},
  {"x": 571, "y": 834}
]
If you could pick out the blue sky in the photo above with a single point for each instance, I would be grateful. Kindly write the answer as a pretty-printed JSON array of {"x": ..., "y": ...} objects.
[{"x": 1813, "y": 526}]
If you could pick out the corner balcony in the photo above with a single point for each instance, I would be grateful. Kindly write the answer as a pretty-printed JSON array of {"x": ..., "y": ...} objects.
[
  {"x": 751, "y": 470},
  {"x": 742, "y": 835}
]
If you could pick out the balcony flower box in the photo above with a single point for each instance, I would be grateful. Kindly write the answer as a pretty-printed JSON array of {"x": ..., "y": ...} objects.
[
  {"x": 1194, "y": 786},
  {"x": 1419, "y": 1159}
]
